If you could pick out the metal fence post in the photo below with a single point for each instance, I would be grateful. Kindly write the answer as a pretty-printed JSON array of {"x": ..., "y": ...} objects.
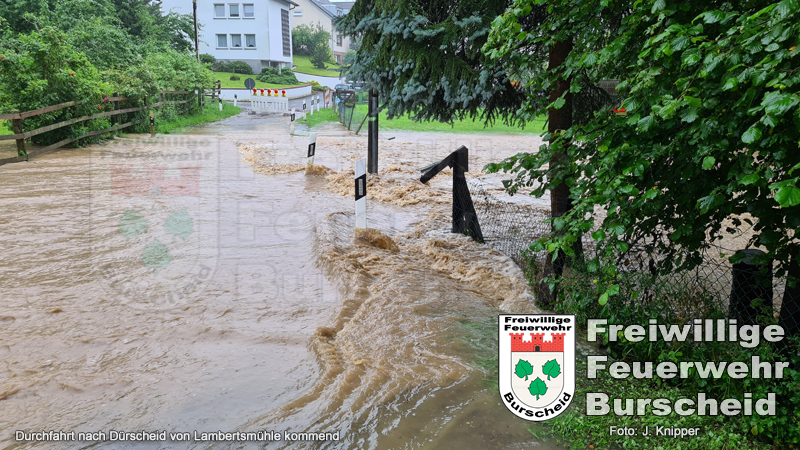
[
  {"x": 751, "y": 288},
  {"x": 372, "y": 139}
]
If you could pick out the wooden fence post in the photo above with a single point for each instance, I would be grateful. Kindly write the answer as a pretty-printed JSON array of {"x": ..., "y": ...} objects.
[
  {"x": 115, "y": 117},
  {"x": 16, "y": 126}
]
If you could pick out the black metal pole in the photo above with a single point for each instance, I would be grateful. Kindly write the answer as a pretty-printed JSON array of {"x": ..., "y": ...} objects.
[
  {"x": 372, "y": 139},
  {"x": 194, "y": 14},
  {"x": 751, "y": 288}
]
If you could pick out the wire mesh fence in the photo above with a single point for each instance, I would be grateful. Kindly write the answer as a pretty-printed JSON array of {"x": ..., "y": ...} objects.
[
  {"x": 713, "y": 287},
  {"x": 351, "y": 115}
]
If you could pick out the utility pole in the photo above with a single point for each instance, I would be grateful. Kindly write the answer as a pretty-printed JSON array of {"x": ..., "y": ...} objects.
[{"x": 194, "y": 14}]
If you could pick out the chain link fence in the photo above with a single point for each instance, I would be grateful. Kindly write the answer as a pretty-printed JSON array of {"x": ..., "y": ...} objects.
[
  {"x": 351, "y": 115},
  {"x": 712, "y": 288}
]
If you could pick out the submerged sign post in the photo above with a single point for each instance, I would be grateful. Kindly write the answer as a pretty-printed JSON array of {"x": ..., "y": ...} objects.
[
  {"x": 361, "y": 193},
  {"x": 537, "y": 364}
]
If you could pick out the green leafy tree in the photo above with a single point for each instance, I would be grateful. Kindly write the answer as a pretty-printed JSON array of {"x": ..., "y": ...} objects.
[
  {"x": 523, "y": 369},
  {"x": 154, "y": 27},
  {"x": 302, "y": 40},
  {"x": 306, "y": 40},
  {"x": 709, "y": 143},
  {"x": 551, "y": 369},
  {"x": 537, "y": 387}
]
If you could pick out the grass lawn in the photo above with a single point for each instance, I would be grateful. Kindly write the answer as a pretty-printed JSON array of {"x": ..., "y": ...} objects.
[
  {"x": 210, "y": 113},
  {"x": 580, "y": 431},
  {"x": 225, "y": 78},
  {"x": 4, "y": 129},
  {"x": 320, "y": 117},
  {"x": 406, "y": 124},
  {"x": 304, "y": 65}
]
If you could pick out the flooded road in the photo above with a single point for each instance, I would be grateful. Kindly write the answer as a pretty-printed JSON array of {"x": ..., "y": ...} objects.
[{"x": 203, "y": 282}]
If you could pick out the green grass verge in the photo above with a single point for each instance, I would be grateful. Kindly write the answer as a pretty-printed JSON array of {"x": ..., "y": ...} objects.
[
  {"x": 322, "y": 116},
  {"x": 4, "y": 129},
  {"x": 406, "y": 124},
  {"x": 304, "y": 65},
  {"x": 210, "y": 113},
  {"x": 225, "y": 79},
  {"x": 579, "y": 431}
]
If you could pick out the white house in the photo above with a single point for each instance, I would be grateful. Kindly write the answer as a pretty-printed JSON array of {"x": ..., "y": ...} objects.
[
  {"x": 311, "y": 12},
  {"x": 257, "y": 32}
]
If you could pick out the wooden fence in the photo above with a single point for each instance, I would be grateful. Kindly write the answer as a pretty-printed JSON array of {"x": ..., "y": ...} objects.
[{"x": 17, "y": 119}]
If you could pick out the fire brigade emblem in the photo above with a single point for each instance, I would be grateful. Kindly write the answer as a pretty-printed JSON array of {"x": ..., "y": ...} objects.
[{"x": 537, "y": 364}]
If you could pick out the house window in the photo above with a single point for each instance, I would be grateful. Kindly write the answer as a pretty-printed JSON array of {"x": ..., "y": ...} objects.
[
  {"x": 236, "y": 40},
  {"x": 222, "y": 40},
  {"x": 287, "y": 42},
  {"x": 234, "y": 10},
  {"x": 250, "y": 40},
  {"x": 298, "y": 13},
  {"x": 249, "y": 10},
  {"x": 219, "y": 10},
  {"x": 339, "y": 40},
  {"x": 338, "y": 59}
]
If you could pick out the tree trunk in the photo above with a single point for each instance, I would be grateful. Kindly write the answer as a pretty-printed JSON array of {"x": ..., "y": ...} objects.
[{"x": 560, "y": 202}]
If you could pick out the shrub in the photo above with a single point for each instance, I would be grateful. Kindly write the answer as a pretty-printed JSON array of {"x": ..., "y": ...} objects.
[
  {"x": 44, "y": 70},
  {"x": 171, "y": 71},
  {"x": 235, "y": 78},
  {"x": 316, "y": 86},
  {"x": 205, "y": 58},
  {"x": 271, "y": 75},
  {"x": 320, "y": 55},
  {"x": 232, "y": 66},
  {"x": 240, "y": 67}
]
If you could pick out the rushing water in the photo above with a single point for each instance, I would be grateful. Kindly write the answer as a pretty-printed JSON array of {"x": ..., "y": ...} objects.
[{"x": 164, "y": 284}]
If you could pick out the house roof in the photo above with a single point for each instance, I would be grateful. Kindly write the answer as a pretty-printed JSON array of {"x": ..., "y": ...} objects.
[
  {"x": 290, "y": 2},
  {"x": 326, "y": 7},
  {"x": 347, "y": 6}
]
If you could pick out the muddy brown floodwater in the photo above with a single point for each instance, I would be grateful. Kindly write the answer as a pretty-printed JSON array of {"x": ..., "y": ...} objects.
[{"x": 203, "y": 282}]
